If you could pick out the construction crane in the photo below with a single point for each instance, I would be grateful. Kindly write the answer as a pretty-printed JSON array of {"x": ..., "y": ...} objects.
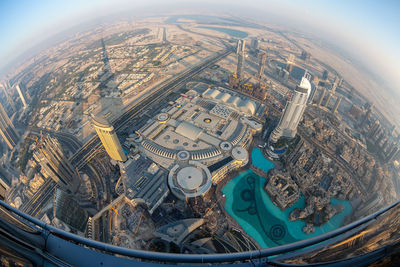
[
  {"x": 213, "y": 206},
  {"x": 140, "y": 220},
  {"x": 36, "y": 139},
  {"x": 111, "y": 210}
]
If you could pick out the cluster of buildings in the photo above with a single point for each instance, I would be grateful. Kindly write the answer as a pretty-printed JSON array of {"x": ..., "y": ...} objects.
[
  {"x": 282, "y": 190},
  {"x": 194, "y": 143},
  {"x": 324, "y": 95}
]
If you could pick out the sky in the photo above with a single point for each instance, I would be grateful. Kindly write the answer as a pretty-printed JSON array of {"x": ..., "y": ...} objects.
[{"x": 370, "y": 30}]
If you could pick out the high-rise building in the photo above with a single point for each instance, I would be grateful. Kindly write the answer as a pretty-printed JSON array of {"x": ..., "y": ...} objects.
[
  {"x": 254, "y": 43},
  {"x": 21, "y": 95},
  {"x": 7, "y": 129},
  {"x": 374, "y": 129},
  {"x": 6, "y": 89},
  {"x": 305, "y": 55},
  {"x": 261, "y": 65},
  {"x": 108, "y": 138},
  {"x": 55, "y": 164},
  {"x": 337, "y": 104},
  {"x": 325, "y": 75},
  {"x": 368, "y": 107},
  {"x": 289, "y": 63},
  {"x": 321, "y": 98},
  {"x": 68, "y": 211},
  {"x": 332, "y": 91},
  {"x": 293, "y": 112},
  {"x": 240, "y": 51},
  {"x": 5, "y": 183},
  {"x": 312, "y": 95}
]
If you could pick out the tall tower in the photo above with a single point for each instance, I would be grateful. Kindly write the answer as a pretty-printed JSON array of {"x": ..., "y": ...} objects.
[
  {"x": 333, "y": 89},
  {"x": 312, "y": 94},
  {"x": 5, "y": 89},
  {"x": 321, "y": 98},
  {"x": 56, "y": 165},
  {"x": 325, "y": 75},
  {"x": 261, "y": 65},
  {"x": 21, "y": 96},
  {"x": 289, "y": 63},
  {"x": 293, "y": 112},
  {"x": 7, "y": 129},
  {"x": 108, "y": 138},
  {"x": 337, "y": 103},
  {"x": 240, "y": 51},
  {"x": 254, "y": 43},
  {"x": 369, "y": 107}
]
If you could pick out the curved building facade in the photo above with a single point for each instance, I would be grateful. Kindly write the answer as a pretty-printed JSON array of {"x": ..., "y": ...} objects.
[
  {"x": 108, "y": 138},
  {"x": 293, "y": 112}
]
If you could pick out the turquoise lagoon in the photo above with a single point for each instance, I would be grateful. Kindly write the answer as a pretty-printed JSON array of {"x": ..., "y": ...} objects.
[{"x": 251, "y": 207}]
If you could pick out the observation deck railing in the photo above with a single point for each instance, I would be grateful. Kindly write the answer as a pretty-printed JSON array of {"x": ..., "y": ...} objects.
[{"x": 34, "y": 242}]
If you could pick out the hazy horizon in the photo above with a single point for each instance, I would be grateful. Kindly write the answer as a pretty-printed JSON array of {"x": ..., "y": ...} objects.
[{"x": 366, "y": 30}]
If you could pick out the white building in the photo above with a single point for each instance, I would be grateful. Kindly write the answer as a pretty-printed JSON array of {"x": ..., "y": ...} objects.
[{"x": 293, "y": 112}]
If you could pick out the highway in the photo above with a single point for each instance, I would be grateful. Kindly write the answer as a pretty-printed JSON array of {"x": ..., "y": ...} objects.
[
  {"x": 73, "y": 144},
  {"x": 88, "y": 150}
]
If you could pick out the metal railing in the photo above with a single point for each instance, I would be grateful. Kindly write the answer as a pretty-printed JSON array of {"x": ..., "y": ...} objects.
[{"x": 52, "y": 243}]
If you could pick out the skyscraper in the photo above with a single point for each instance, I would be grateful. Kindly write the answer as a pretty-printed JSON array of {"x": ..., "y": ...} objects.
[
  {"x": 108, "y": 138},
  {"x": 293, "y": 112},
  {"x": 5, "y": 183},
  {"x": 261, "y": 65},
  {"x": 69, "y": 211},
  {"x": 369, "y": 107},
  {"x": 305, "y": 55},
  {"x": 290, "y": 63},
  {"x": 5, "y": 89},
  {"x": 325, "y": 75},
  {"x": 374, "y": 129},
  {"x": 333, "y": 89},
  {"x": 21, "y": 96},
  {"x": 7, "y": 129},
  {"x": 321, "y": 98},
  {"x": 337, "y": 103},
  {"x": 254, "y": 43},
  {"x": 240, "y": 51},
  {"x": 312, "y": 95},
  {"x": 56, "y": 165}
]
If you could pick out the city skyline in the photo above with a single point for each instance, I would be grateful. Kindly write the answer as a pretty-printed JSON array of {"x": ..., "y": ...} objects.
[
  {"x": 368, "y": 31},
  {"x": 196, "y": 134}
]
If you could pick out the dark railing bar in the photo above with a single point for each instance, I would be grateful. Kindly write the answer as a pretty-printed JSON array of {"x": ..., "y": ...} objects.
[
  {"x": 342, "y": 262},
  {"x": 198, "y": 258}
]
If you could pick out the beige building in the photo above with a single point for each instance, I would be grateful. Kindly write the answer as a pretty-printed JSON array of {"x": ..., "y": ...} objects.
[
  {"x": 7, "y": 130},
  {"x": 108, "y": 138}
]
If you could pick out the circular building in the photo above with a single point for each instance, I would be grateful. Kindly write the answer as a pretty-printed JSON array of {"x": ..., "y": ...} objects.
[
  {"x": 162, "y": 117},
  {"x": 189, "y": 180},
  {"x": 240, "y": 154}
]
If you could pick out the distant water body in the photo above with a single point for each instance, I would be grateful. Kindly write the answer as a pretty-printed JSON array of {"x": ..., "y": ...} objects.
[
  {"x": 249, "y": 204},
  {"x": 230, "y": 32}
]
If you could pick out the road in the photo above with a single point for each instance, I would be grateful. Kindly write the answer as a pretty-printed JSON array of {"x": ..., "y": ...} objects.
[
  {"x": 73, "y": 144},
  {"x": 87, "y": 151}
]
